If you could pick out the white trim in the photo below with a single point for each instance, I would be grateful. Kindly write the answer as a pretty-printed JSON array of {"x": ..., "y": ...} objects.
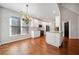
[
  {"x": 69, "y": 27},
  {"x": 10, "y": 21},
  {"x": 14, "y": 40}
]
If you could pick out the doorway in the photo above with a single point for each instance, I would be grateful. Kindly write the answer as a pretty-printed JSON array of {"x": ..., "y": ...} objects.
[
  {"x": 41, "y": 31},
  {"x": 47, "y": 28},
  {"x": 66, "y": 29}
]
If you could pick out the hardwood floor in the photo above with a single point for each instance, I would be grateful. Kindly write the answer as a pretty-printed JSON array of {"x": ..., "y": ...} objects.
[{"x": 38, "y": 46}]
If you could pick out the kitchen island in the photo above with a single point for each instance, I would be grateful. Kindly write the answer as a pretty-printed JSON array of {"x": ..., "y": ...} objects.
[{"x": 54, "y": 38}]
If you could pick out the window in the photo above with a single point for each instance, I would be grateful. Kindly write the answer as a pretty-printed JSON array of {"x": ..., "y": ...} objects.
[
  {"x": 18, "y": 26},
  {"x": 15, "y": 25},
  {"x": 57, "y": 23}
]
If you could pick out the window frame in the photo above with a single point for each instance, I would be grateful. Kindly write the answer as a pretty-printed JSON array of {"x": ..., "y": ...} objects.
[{"x": 10, "y": 26}]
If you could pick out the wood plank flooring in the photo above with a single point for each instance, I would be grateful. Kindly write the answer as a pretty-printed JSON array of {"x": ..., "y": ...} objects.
[{"x": 38, "y": 46}]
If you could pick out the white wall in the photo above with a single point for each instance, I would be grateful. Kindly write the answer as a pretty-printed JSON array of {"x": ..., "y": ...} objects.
[
  {"x": 5, "y": 14},
  {"x": 78, "y": 27},
  {"x": 72, "y": 6},
  {"x": 44, "y": 25},
  {"x": 36, "y": 23},
  {"x": 0, "y": 25},
  {"x": 72, "y": 17}
]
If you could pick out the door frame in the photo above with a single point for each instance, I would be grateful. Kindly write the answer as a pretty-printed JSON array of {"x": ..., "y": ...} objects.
[
  {"x": 66, "y": 29},
  {"x": 48, "y": 27},
  {"x": 69, "y": 27}
]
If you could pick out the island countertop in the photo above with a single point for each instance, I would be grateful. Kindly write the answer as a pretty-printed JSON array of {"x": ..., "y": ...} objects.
[{"x": 55, "y": 32}]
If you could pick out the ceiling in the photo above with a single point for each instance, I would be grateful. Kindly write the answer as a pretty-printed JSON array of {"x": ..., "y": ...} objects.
[
  {"x": 72, "y": 6},
  {"x": 44, "y": 11}
]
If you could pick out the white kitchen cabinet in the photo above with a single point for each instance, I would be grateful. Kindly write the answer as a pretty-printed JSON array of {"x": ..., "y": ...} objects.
[
  {"x": 35, "y": 34},
  {"x": 53, "y": 38}
]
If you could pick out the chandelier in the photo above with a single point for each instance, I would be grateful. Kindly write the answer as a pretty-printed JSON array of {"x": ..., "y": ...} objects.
[{"x": 26, "y": 16}]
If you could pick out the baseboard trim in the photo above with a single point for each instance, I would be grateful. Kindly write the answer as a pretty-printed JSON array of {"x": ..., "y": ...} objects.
[
  {"x": 14, "y": 41},
  {"x": 36, "y": 37},
  {"x": 18, "y": 40},
  {"x": 73, "y": 38}
]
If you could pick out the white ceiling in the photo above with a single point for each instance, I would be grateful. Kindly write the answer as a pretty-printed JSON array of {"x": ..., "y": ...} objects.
[
  {"x": 72, "y": 6},
  {"x": 44, "y": 11}
]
